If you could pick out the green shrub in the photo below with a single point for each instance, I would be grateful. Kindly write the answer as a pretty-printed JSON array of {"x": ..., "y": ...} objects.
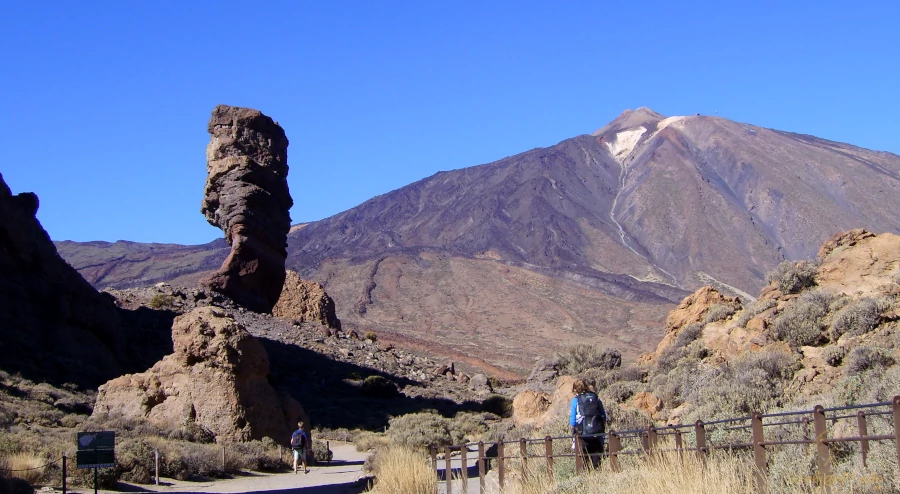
[
  {"x": 161, "y": 300},
  {"x": 833, "y": 355},
  {"x": 134, "y": 461},
  {"x": 421, "y": 430},
  {"x": 498, "y": 405},
  {"x": 864, "y": 358},
  {"x": 370, "y": 335},
  {"x": 622, "y": 391},
  {"x": 793, "y": 277},
  {"x": 378, "y": 387},
  {"x": 802, "y": 322},
  {"x": 581, "y": 357},
  {"x": 321, "y": 453},
  {"x": 856, "y": 318},
  {"x": 718, "y": 312}
]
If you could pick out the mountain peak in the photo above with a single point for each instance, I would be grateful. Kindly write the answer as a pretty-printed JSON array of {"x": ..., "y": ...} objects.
[{"x": 630, "y": 119}]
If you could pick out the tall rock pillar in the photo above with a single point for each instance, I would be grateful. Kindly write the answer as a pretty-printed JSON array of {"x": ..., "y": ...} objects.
[{"x": 247, "y": 196}]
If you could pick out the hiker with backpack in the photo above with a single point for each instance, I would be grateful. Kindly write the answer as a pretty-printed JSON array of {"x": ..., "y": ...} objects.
[
  {"x": 587, "y": 418},
  {"x": 299, "y": 445}
]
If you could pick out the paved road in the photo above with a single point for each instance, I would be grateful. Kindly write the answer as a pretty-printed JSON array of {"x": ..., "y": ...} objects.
[{"x": 340, "y": 477}]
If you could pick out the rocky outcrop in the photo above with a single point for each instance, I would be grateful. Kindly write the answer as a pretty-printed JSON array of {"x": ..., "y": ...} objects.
[
  {"x": 692, "y": 310},
  {"x": 246, "y": 195},
  {"x": 53, "y": 325},
  {"x": 216, "y": 379},
  {"x": 538, "y": 408},
  {"x": 305, "y": 301}
]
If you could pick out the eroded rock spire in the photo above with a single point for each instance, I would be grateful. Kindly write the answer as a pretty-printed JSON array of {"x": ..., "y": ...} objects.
[{"x": 247, "y": 196}]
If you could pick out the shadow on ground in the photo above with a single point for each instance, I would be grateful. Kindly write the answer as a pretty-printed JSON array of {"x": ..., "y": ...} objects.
[{"x": 327, "y": 390}]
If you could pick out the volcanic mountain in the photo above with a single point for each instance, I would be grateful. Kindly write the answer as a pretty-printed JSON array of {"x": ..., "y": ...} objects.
[{"x": 591, "y": 240}]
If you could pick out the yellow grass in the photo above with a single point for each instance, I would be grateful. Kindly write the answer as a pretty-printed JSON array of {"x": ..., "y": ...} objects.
[
  {"x": 663, "y": 474},
  {"x": 26, "y": 466},
  {"x": 400, "y": 470}
]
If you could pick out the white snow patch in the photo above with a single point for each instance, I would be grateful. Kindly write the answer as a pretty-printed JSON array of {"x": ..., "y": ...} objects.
[
  {"x": 668, "y": 121},
  {"x": 625, "y": 142}
]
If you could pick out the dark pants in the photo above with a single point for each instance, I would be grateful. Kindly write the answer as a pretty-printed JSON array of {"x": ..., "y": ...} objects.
[{"x": 593, "y": 446}]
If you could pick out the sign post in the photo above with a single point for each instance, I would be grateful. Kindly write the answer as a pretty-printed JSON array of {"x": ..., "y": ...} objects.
[{"x": 96, "y": 450}]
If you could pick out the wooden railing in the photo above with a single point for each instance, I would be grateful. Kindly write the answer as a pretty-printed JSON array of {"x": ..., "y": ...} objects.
[{"x": 647, "y": 441}]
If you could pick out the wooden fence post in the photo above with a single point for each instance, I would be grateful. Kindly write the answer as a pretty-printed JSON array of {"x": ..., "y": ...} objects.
[
  {"x": 64, "y": 466},
  {"x": 700, "y": 437},
  {"x": 448, "y": 470},
  {"x": 224, "y": 469},
  {"x": 614, "y": 447},
  {"x": 523, "y": 454},
  {"x": 501, "y": 464},
  {"x": 481, "y": 467},
  {"x": 579, "y": 454},
  {"x": 432, "y": 452},
  {"x": 156, "y": 466},
  {"x": 678, "y": 444},
  {"x": 823, "y": 454},
  {"x": 464, "y": 459},
  {"x": 896, "y": 407},
  {"x": 548, "y": 452},
  {"x": 651, "y": 438},
  {"x": 863, "y": 432},
  {"x": 759, "y": 453}
]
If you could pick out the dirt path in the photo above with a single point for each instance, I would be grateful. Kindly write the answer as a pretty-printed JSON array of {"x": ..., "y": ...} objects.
[{"x": 339, "y": 477}]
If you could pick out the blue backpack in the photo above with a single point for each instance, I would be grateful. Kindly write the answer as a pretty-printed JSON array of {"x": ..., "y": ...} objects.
[
  {"x": 591, "y": 408},
  {"x": 298, "y": 439}
]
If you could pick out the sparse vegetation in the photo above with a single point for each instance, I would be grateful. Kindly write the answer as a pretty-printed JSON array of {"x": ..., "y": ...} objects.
[
  {"x": 753, "y": 310},
  {"x": 793, "y": 277},
  {"x": 718, "y": 312},
  {"x": 833, "y": 355},
  {"x": 856, "y": 318},
  {"x": 370, "y": 335},
  {"x": 420, "y": 430},
  {"x": 161, "y": 301},
  {"x": 863, "y": 358},
  {"x": 803, "y": 322},
  {"x": 498, "y": 405},
  {"x": 579, "y": 358}
]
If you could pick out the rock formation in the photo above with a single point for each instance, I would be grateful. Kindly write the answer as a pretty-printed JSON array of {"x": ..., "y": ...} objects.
[
  {"x": 217, "y": 379},
  {"x": 305, "y": 301},
  {"x": 53, "y": 325},
  {"x": 246, "y": 195}
]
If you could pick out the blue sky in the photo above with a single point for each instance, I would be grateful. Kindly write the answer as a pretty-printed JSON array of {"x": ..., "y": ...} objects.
[{"x": 104, "y": 105}]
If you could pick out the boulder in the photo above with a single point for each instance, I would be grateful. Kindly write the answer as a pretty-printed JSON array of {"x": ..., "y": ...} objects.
[
  {"x": 529, "y": 407},
  {"x": 247, "y": 196},
  {"x": 543, "y": 374},
  {"x": 691, "y": 310},
  {"x": 480, "y": 384},
  {"x": 217, "y": 379},
  {"x": 305, "y": 301}
]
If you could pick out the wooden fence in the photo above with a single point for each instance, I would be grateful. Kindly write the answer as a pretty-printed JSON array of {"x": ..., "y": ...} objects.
[{"x": 697, "y": 436}]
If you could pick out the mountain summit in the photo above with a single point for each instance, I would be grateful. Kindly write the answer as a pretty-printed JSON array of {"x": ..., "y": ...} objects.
[{"x": 593, "y": 239}]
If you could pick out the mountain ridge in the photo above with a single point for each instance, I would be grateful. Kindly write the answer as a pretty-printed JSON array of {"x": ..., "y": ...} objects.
[{"x": 643, "y": 211}]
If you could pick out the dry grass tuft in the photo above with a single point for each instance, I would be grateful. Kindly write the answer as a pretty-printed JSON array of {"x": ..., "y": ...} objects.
[
  {"x": 26, "y": 466},
  {"x": 401, "y": 470},
  {"x": 663, "y": 474}
]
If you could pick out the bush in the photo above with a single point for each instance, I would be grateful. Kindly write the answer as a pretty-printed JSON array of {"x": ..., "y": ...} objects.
[
  {"x": 378, "y": 387},
  {"x": 579, "y": 358},
  {"x": 856, "y": 318},
  {"x": 802, "y": 323},
  {"x": 321, "y": 453},
  {"x": 26, "y": 466},
  {"x": 134, "y": 461},
  {"x": 622, "y": 391},
  {"x": 864, "y": 358},
  {"x": 793, "y": 277},
  {"x": 366, "y": 441},
  {"x": 833, "y": 355},
  {"x": 718, "y": 312},
  {"x": 370, "y": 335},
  {"x": 688, "y": 334},
  {"x": 753, "y": 310},
  {"x": 498, "y": 405},
  {"x": 421, "y": 430},
  {"x": 161, "y": 300}
]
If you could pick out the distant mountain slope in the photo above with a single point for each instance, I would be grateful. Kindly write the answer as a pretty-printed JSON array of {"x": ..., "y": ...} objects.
[{"x": 591, "y": 239}]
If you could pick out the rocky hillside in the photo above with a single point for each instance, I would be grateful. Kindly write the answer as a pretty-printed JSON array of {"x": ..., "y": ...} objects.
[
  {"x": 825, "y": 331},
  {"x": 597, "y": 237}
]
